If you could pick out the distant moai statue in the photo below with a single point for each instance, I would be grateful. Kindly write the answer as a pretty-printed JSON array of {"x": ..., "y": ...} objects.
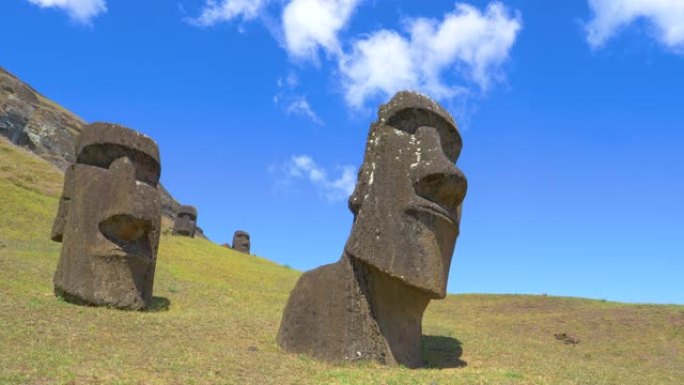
[
  {"x": 109, "y": 219},
  {"x": 407, "y": 209},
  {"x": 241, "y": 241},
  {"x": 186, "y": 222}
]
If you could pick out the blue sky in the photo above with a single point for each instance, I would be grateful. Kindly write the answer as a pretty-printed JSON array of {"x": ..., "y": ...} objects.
[{"x": 571, "y": 117}]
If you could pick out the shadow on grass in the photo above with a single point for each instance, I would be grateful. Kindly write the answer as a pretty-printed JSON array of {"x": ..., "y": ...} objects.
[
  {"x": 159, "y": 304},
  {"x": 442, "y": 352}
]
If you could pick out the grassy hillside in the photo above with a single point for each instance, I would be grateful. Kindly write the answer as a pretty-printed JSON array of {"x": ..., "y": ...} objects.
[{"x": 225, "y": 309}]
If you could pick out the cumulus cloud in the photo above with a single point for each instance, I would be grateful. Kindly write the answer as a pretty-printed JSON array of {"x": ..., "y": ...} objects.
[
  {"x": 466, "y": 42},
  {"x": 215, "y": 12},
  {"x": 666, "y": 19},
  {"x": 333, "y": 189},
  {"x": 82, "y": 11},
  {"x": 459, "y": 54},
  {"x": 310, "y": 25}
]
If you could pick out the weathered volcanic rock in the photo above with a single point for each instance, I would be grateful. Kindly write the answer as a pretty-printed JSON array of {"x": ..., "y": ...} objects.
[
  {"x": 186, "y": 222},
  {"x": 407, "y": 210},
  {"x": 30, "y": 120},
  {"x": 241, "y": 241},
  {"x": 109, "y": 220}
]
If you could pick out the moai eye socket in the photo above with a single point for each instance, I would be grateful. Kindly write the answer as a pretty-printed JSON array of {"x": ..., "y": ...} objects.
[
  {"x": 101, "y": 144},
  {"x": 410, "y": 119},
  {"x": 189, "y": 212},
  {"x": 147, "y": 170}
]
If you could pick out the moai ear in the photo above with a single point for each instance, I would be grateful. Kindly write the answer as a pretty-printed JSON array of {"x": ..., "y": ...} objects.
[
  {"x": 63, "y": 209},
  {"x": 356, "y": 198}
]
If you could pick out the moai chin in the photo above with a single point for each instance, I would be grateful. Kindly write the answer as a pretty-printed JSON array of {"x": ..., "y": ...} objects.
[
  {"x": 186, "y": 222},
  {"x": 109, "y": 220},
  {"x": 241, "y": 241},
  {"x": 407, "y": 209}
]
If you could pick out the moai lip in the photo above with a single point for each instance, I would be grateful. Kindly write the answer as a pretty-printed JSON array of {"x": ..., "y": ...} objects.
[
  {"x": 407, "y": 210},
  {"x": 109, "y": 220},
  {"x": 241, "y": 241},
  {"x": 186, "y": 222}
]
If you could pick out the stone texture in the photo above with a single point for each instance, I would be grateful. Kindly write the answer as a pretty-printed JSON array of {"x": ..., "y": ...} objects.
[
  {"x": 109, "y": 220},
  {"x": 186, "y": 222},
  {"x": 407, "y": 210},
  {"x": 241, "y": 241},
  {"x": 30, "y": 120}
]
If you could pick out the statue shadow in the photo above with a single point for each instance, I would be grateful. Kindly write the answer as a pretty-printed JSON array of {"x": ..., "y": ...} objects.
[
  {"x": 441, "y": 352},
  {"x": 159, "y": 304}
]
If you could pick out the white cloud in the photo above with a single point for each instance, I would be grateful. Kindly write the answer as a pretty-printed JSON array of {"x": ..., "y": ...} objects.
[
  {"x": 666, "y": 18},
  {"x": 333, "y": 189},
  {"x": 457, "y": 55},
  {"x": 300, "y": 106},
  {"x": 466, "y": 42},
  {"x": 227, "y": 10},
  {"x": 82, "y": 11},
  {"x": 312, "y": 24},
  {"x": 379, "y": 64}
]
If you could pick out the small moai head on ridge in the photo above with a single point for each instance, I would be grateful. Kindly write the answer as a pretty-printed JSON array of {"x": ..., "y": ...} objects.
[
  {"x": 109, "y": 219},
  {"x": 241, "y": 241},
  {"x": 186, "y": 222}
]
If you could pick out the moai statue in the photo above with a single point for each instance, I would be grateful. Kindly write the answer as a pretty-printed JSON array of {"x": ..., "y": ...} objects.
[
  {"x": 109, "y": 220},
  {"x": 241, "y": 241},
  {"x": 407, "y": 209},
  {"x": 186, "y": 222}
]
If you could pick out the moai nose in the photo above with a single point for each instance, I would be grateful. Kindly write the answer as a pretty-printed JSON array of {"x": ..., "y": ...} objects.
[
  {"x": 129, "y": 233},
  {"x": 129, "y": 228},
  {"x": 123, "y": 169},
  {"x": 437, "y": 179},
  {"x": 125, "y": 228}
]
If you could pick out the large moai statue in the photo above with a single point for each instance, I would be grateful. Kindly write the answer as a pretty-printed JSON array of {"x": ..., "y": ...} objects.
[
  {"x": 407, "y": 209},
  {"x": 186, "y": 222},
  {"x": 241, "y": 241},
  {"x": 109, "y": 220}
]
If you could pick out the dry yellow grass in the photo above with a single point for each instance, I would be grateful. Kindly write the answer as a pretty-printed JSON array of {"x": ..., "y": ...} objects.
[{"x": 225, "y": 309}]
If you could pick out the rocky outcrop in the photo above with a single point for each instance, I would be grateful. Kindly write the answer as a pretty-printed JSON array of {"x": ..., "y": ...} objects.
[{"x": 29, "y": 119}]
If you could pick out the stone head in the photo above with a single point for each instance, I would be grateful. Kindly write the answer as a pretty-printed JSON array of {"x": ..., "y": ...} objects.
[
  {"x": 109, "y": 218},
  {"x": 241, "y": 241},
  {"x": 186, "y": 221},
  {"x": 407, "y": 201}
]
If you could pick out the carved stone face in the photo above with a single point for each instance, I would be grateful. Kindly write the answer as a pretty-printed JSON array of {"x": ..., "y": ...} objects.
[
  {"x": 186, "y": 222},
  {"x": 407, "y": 201},
  {"x": 109, "y": 219},
  {"x": 241, "y": 241}
]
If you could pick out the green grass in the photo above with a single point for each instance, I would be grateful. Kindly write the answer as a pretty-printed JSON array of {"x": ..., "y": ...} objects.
[{"x": 217, "y": 313}]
